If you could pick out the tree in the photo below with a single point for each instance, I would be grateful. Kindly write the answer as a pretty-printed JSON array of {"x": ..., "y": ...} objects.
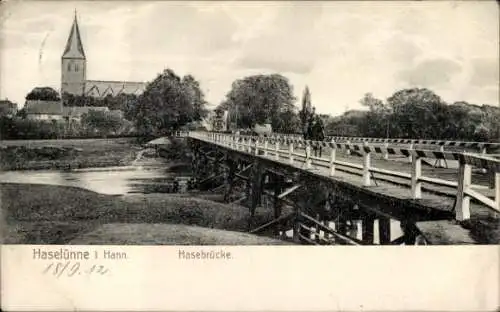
[
  {"x": 259, "y": 99},
  {"x": 102, "y": 122},
  {"x": 169, "y": 103},
  {"x": 307, "y": 111},
  {"x": 419, "y": 113},
  {"x": 377, "y": 122},
  {"x": 43, "y": 94}
]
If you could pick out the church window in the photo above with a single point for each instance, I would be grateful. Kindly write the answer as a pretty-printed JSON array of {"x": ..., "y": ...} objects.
[
  {"x": 76, "y": 67},
  {"x": 69, "y": 66}
]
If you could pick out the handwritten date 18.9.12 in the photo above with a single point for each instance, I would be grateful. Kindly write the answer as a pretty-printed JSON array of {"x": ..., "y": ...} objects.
[{"x": 71, "y": 268}]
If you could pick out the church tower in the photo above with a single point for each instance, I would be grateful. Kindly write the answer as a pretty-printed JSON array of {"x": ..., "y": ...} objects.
[{"x": 73, "y": 63}]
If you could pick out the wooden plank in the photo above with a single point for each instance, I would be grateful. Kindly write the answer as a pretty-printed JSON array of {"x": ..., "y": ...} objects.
[
  {"x": 483, "y": 199},
  {"x": 271, "y": 223},
  {"x": 288, "y": 191},
  {"x": 332, "y": 232},
  {"x": 310, "y": 241}
]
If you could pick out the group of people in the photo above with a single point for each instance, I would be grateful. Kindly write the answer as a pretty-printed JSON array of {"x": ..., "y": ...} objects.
[{"x": 315, "y": 131}]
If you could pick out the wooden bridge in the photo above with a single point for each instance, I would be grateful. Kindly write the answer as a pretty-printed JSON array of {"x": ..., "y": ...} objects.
[{"x": 336, "y": 192}]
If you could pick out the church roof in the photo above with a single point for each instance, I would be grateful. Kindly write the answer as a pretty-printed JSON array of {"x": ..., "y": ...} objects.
[
  {"x": 74, "y": 46},
  {"x": 99, "y": 88}
]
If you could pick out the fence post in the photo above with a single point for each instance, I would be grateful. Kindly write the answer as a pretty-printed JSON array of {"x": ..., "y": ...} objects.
[
  {"x": 256, "y": 145},
  {"x": 290, "y": 152},
  {"x": 410, "y": 148},
  {"x": 265, "y": 146},
  {"x": 496, "y": 185},
  {"x": 333, "y": 152},
  {"x": 249, "y": 146},
  {"x": 462, "y": 208},
  {"x": 386, "y": 154},
  {"x": 441, "y": 162},
  {"x": 277, "y": 148},
  {"x": 348, "y": 150},
  {"x": 308, "y": 156},
  {"x": 416, "y": 173},
  {"x": 366, "y": 169}
]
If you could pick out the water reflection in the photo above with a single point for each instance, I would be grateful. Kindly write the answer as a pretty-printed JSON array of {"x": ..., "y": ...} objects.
[{"x": 112, "y": 180}]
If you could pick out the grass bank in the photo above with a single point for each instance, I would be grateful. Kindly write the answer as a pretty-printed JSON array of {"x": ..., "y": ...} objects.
[
  {"x": 67, "y": 154},
  {"x": 46, "y": 214}
]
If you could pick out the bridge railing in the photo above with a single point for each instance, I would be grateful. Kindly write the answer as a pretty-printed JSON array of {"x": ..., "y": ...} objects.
[{"x": 298, "y": 150}]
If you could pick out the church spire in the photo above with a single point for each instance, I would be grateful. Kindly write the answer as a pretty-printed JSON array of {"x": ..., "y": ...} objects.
[{"x": 74, "y": 46}]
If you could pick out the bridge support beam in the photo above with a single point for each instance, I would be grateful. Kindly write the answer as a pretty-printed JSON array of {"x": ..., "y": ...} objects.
[
  {"x": 256, "y": 183},
  {"x": 277, "y": 203},
  {"x": 230, "y": 175},
  {"x": 384, "y": 230},
  {"x": 368, "y": 229}
]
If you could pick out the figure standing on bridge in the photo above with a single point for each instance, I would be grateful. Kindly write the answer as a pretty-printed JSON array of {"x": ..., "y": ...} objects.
[{"x": 318, "y": 134}]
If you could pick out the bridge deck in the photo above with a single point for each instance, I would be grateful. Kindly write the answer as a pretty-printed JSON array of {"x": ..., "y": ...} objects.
[
  {"x": 397, "y": 188},
  {"x": 434, "y": 197}
]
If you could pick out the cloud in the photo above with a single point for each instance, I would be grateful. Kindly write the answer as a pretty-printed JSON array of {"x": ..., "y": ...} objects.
[
  {"x": 340, "y": 49},
  {"x": 430, "y": 73},
  {"x": 485, "y": 72}
]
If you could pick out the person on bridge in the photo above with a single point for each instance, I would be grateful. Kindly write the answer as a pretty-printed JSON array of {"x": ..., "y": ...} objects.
[{"x": 318, "y": 134}]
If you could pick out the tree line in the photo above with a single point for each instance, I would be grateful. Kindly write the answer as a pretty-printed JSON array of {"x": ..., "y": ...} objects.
[
  {"x": 419, "y": 113},
  {"x": 171, "y": 102}
]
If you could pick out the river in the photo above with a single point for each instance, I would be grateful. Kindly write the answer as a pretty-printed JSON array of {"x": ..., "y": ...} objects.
[
  {"x": 143, "y": 176},
  {"x": 150, "y": 176}
]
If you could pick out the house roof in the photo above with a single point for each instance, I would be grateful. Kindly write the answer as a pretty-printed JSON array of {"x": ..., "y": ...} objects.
[
  {"x": 7, "y": 104},
  {"x": 36, "y": 107}
]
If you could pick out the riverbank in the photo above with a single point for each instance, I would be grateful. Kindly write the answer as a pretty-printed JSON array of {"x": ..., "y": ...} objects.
[
  {"x": 67, "y": 154},
  {"x": 47, "y": 214}
]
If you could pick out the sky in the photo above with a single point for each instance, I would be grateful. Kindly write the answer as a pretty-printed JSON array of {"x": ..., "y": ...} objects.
[{"x": 340, "y": 49}]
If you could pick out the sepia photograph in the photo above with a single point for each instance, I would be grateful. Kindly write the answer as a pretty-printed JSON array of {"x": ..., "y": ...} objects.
[{"x": 249, "y": 123}]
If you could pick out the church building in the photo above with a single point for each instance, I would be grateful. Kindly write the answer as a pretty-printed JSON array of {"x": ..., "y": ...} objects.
[{"x": 74, "y": 72}]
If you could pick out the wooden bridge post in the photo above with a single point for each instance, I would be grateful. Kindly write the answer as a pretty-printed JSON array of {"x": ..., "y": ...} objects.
[
  {"x": 496, "y": 185},
  {"x": 333, "y": 152},
  {"x": 416, "y": 173},
  {"x": 256, "y": 146},
  {"x": 256, "y": 186},
  {"x": 348, "y": 150},
  {"x": 290, "y": 152},
  {"x": 368, "y": 228},
  {"x": 229, "y": 179},
  {"x": 278, "y": 187},
  {"x": 410, "y": 148},
  {"x": 277, "y": 149},
  {"x": 296, "y": 223},
  {"x": 386, "y": 154},
  {"x": 410, "y": 231},
  {"x": 462, "y": 207},
  {"x": 266, "y": 142},
  {"x": 384, "y": 230},
  {"x": 366, "y": 169},
  {"x": 308, "y": 156}
]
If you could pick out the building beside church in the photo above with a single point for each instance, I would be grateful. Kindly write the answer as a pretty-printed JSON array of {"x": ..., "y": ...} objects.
[{"x": 74, "y": 72}]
